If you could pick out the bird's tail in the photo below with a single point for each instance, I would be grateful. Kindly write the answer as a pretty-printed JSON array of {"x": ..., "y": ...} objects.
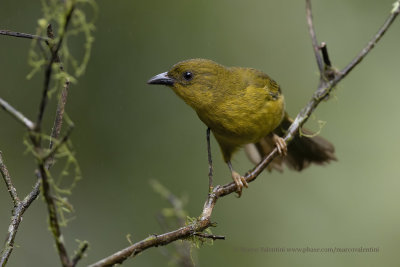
[{"x": 302, "y": 151}]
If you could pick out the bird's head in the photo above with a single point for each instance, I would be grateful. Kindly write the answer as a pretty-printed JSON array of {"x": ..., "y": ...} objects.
[{"x": 196, "y": 81}]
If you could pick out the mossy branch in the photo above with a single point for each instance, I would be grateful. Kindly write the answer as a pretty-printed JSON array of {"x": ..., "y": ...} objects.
[{"x": 62, "y": 13}]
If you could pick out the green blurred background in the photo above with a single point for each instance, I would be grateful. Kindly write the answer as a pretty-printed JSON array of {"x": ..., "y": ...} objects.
[{"x": 128, "y": 132}]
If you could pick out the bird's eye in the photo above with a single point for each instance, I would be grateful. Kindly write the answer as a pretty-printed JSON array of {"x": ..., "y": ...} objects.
[{"x": 187, "y": 75}]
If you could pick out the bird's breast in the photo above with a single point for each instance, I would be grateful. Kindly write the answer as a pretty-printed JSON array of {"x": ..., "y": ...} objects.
[{"x": 245, "y": 119}]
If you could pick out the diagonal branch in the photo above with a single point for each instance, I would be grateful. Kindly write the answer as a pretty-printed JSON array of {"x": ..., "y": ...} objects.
[
  {"x": 372, "y": 42},
  {"x": 17, "y": 115},
  {"x": 24, "y": 35},
  {"x": 80, "y": 253},
  {"x": 19, "y": 209},
  {"x": 204, "y": 221},
  {"x": 53, "y": 150},
  {"x": 7, "y": 179}
]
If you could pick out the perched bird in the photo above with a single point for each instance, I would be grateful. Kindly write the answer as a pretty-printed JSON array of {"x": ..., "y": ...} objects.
[{"x": 243, "y": 106}]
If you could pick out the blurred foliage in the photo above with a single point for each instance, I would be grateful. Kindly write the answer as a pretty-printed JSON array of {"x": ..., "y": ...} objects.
[
  {"x": 127, "y": 133},
  {"x": 54, "y": 14}
]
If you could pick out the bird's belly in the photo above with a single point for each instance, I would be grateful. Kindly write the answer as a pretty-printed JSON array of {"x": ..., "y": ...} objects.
[{"x": 242, "y": 125}]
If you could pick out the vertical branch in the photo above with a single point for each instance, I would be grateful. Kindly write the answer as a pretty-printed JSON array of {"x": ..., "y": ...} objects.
[
  {"x": 313, "y": 37},
  {"x": 42, "y": 165},
  {"x": 54, "y": 58},
  {"x": 55, "y": 133},
  {"x": 53, "y": 220},
  {"x": 325, "y": 55},
  {"x": 44, "y": 159}
]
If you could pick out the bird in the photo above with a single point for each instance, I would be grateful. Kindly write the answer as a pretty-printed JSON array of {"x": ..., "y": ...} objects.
[{"x": 243, "y": 107}]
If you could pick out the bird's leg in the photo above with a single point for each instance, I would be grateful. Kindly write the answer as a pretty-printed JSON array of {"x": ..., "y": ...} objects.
[
  {"x": 239, "y": 180},
  {"x": 280, "y": 144},
  {"x": 210, "y": 164}
]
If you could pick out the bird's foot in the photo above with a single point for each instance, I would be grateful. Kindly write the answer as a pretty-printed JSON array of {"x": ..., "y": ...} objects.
[
  {"x": 240, "y": 182},
  {"x": 280, "y": 145}
]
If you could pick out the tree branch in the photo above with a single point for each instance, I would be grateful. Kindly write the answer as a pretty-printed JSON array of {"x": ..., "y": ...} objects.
[
  {"x": 7, "y": 179},
  {"x": 54, "y": 58},
  {"x": 17, "y": 115},
  {"x": 183, "y": 254},
  {"x": 42, "y": 165},
  {"x": 19, "y": 209},
  {"x": 325, "y": 55},
  {"x": 53, "y": 220},
  {"x": 204, "y": 221},
  {"x": 79, "y": 254},
  {"x": 24, "y": 35},
  {"x": 372, "y": 42},
  {"x": 209, "y": 236},
  {"x": 50, "y": 154},
  {"x": 313, "y": 36},
  {"x": 45, "y": 161},
  {"x": 58, "y": 121}
]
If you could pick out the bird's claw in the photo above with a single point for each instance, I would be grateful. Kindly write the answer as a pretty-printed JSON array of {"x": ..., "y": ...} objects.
[
  {"x": 280, "y": 145},
  {"x": 240, "y": 182}
]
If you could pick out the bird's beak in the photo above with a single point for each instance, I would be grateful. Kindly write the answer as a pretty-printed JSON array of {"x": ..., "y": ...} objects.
[{"x": 161, "y": 78}]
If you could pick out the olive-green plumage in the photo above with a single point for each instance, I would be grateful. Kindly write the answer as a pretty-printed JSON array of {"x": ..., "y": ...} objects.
[{"x": 241, "y": 106}]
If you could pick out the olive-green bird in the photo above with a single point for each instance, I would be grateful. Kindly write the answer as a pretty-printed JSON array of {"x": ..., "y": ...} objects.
[{"x": 243, "y": 106}]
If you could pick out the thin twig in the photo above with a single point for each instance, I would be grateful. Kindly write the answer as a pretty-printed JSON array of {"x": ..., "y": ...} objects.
[
  {"x": 55, "y": 133},
  {"x": 210, "y": 163},
  {"x": 51, "y": 207},
  {"x": 24, "y": 35},
  {"x": 16, "y": 219},
  {"x": 7, "y": 179},
  {"x": 219, "y": 191},
  {"x": 371, "y": 43},
  {"x": 54, "y": 58},
  {"x": 325, "y": 55},
  {"x": 183, "y": 255},
  {"x": 17, "y": 115},
  {"x": 210, "y": 236},
  {"x": 80, "y": 253},
  {"x": 44, "y": 165},
  {"x": 53, "y": 220},
  {"x": 50, "y": 154},
  {"x": 32, "y": 195},
  {"x": 313, "y": 36}
]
